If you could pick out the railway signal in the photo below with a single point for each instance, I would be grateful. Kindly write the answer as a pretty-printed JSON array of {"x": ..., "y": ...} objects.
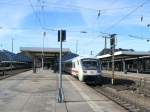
[{"x": 62, "y": 35}]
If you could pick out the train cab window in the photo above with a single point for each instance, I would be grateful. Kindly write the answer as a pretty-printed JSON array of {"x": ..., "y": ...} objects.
[{"x": 92, "y": 64}]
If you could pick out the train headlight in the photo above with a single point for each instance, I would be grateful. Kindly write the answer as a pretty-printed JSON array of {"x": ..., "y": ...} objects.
[{"x": 84, "y": 71}]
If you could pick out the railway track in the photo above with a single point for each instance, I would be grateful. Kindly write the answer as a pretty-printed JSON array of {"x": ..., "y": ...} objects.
[
  {"x": 122, "y": 101},
  {"x": 9, "y": 73},
  {"x": 113, "y": 93}
]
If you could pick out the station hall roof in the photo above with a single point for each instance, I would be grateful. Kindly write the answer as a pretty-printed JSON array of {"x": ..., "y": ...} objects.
[
  {"x": 47, "y": 52},
  {"x": 39, "y": 49}
]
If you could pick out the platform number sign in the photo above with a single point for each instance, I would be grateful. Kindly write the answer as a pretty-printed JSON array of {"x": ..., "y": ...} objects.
[{"x": 62, "y": 35}]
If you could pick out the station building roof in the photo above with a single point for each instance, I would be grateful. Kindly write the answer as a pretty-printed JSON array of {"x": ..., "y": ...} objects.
[
  {"x": 108, "y": 51},
  {"x": 48, "y": 52},
  {"x": 68, "y": 56}
]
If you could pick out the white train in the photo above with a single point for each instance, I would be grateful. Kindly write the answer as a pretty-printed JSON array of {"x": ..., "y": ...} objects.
[{"x": 85, "y": 68}]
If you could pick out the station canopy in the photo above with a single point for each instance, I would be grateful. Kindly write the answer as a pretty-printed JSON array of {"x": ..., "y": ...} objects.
[
  {"x": 47, "y": 52},
  {"x": 126, "y": 55}
]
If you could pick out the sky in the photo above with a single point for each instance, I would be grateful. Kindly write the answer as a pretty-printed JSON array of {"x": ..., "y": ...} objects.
[{"x": 24, "y": 21}]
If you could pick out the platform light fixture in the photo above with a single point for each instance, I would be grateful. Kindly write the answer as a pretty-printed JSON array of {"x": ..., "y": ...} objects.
[{"x": 44, "y": 35}]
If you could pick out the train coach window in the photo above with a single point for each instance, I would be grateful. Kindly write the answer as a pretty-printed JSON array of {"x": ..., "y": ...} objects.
[
  {"x": 78, "y": 62},
  {"x": 68, "y": 64},
  {"x": 73, "y": 65}
]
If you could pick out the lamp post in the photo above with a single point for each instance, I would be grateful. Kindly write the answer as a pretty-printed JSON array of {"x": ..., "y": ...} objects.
[
  {"x": 1, "y": 45},
  {"x": 44, "y": 34},
  {"x": 77, "y": 42},
  {"x": 12, "y": 48},
  {"x": 76, "y": 46},
  {"x": 12, "y": 45},
  {"x": 106, "y": 37},
  {"x": 112, "y": 44}
]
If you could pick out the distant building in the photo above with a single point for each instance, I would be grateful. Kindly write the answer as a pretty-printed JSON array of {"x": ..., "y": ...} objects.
[
  {"x": 47, "y": 57},
  {"x": 14, "y": 61},
  {"x": 126, "y": 60},
  {"x": 9, "y": 56}
]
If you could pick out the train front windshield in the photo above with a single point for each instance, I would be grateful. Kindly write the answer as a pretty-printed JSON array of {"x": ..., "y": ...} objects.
[{"x": 90, "y": 64}]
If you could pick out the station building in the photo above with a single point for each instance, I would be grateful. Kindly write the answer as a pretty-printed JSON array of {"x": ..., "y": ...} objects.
[
  {"x": 50, "y": 56},
  {"x": 126, "y": 60}
]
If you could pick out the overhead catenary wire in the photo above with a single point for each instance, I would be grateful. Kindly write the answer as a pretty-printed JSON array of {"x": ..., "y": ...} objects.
[
  {"x": 56, "y": 29},
  {"x": 36, "y": 15},
  {"x": 100, "y": 11},
  {"x": 138, "y": 37},
  {"x": 72, "y": 6},
  {"x": 46, "y": 28},
  {"x": 41, "y": 11},
  {"x": 114, "y": 2},
  {"x": 99, "y": 33},
  {"x": 88, "y": 8},
  {"x": 50, "y": 29},
  {"x": 67, "y": 6},
  {"x": 128, "y": 14}
]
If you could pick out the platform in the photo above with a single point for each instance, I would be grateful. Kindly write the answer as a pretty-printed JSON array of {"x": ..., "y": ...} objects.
[{"x": 28, "y": 92}]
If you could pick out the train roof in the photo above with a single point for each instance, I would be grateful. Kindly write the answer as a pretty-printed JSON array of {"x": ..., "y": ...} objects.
[{"x": 81, "y": 57}]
